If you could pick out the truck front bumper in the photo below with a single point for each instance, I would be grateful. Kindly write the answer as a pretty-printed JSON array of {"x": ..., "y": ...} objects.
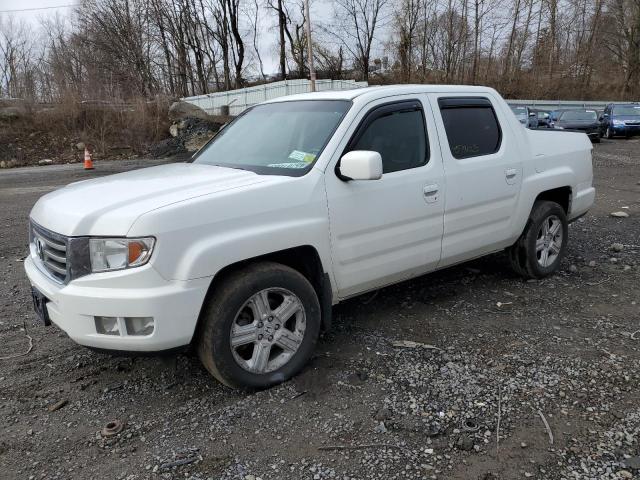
[{"x": 174, "y": 307}]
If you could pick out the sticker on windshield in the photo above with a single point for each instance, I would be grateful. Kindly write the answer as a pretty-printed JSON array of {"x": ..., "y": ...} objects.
[
  {"x": 302, "y": 156},
  {"x": 289, "y": 165}
]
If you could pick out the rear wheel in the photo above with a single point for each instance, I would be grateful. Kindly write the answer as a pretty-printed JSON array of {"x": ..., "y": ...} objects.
[
  {"x": 260, "y": 327},
  {"x": 540, "y": 248}
]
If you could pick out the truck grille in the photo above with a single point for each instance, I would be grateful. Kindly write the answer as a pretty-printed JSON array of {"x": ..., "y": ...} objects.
[{"x": 51, "y": 249}]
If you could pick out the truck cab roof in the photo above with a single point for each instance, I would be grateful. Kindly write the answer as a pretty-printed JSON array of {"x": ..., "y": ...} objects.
[{"x": 370, "y": 93}]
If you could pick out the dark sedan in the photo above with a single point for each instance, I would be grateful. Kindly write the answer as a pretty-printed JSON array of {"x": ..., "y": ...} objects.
[{"x": 581, "y": 120}]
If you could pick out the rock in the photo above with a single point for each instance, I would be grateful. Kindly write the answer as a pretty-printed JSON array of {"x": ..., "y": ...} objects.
[
  {"x": 617, "y": 247},
  {"x": 625, "y": 474},
  {"x": 619, "y": 214},
  {"x": 10, "y": 113},
  {"x": 573, "y": 269},
  {"x": 523, "y": 445},
  {"x": 173, "y": 130},
  {"x": 465, "y": 442},
  {"x": 249, "y": 477},
  {"x": 179, "y": 110},
  {"x": 80, "y": 146},
  {"x": 3, "y": 164},
  {"x": 627, "y": 268},
  {"x": 197, "y": 142},
  {"x": 380, "y": 428},
  {"x": 383, "y": 414},
  {"x": 592, "y": 263},
  {"x": 45, "y": 161},
  {"x": 633, "y": 463},
  {"x": 613, "y": 260}
]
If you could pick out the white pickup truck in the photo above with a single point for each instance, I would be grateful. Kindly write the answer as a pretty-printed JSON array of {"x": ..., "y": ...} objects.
[{"x": 300, "y": 203}]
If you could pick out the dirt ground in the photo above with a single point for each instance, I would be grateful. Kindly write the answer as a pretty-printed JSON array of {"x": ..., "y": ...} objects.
[{"x": 497, "y": 358}]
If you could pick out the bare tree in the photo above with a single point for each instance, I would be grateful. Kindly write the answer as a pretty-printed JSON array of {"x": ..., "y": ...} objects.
[
  {"x": 361, "y": 19},
  {"x": 406, "y": 21}
]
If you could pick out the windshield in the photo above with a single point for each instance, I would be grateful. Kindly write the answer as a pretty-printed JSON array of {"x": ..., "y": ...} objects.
[
  {"x": 282, "y": 138},
  {"x": 579, "y": 115},
  {"x": 631, "y": 110}
]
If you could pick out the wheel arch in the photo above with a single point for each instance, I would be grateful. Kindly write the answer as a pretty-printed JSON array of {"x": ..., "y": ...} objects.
[
  {"x": 305, "y": 259},
  {"x": 560, "y": 195}
]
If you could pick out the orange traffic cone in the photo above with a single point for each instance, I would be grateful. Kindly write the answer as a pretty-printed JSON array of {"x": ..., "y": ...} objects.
[{"x": 88, "y": 163}]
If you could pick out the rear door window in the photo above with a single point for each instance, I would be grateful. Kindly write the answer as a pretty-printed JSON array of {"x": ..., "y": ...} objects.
[{"x": 471, "y": 126}]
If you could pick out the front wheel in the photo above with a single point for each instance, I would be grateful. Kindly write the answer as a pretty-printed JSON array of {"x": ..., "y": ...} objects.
[
  {"x": 540, "y": 248},
  {"x": 609, "y": 133},
  {"x": 259, "y": 327}
]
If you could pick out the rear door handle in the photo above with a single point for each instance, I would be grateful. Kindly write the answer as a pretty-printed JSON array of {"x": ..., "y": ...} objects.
[
  {"x": 430, "y": 192},
  {"x": 510, "y": 172}
]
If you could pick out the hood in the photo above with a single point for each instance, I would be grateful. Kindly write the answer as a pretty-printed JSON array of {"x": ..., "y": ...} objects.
[
  {"x": 635, "y": 118},
  {"x": 109, "y": 205},
  {"x": 626, "y": 117},
  {"x": 582, "y": 124}
]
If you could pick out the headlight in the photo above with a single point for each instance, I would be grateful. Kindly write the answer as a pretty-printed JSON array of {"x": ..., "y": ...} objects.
[
  {"x": 118, "y": 253},
  {"x": 618, "y": 122}
]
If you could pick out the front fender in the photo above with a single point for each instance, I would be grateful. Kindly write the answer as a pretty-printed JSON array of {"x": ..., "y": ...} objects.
[{"x": 200, "y": 237}]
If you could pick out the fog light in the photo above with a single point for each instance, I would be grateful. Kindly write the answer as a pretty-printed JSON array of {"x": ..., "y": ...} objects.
[
  {"x": 139, "y": 325},
  {"x": 107, "y": 325}
]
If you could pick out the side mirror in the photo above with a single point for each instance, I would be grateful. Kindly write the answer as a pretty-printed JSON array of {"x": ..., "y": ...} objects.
[
  {"x": 361, "y": 165},
  {"x": 532, "y": 114}
]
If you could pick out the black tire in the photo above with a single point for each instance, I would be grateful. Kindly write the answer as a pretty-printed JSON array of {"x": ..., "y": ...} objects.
[
  {"x": 523, "y": 254},
  {"x": 609, "y": 133},
  {"x": 222, "y": 307}
]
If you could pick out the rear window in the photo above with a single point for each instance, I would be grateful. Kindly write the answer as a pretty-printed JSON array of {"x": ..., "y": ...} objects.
[{"x": 471, "y": 125}]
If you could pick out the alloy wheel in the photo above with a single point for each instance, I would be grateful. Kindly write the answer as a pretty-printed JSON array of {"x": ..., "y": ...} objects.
[
  {"x": 549, "y": 241},
  {"x": 268, "y": 330}
]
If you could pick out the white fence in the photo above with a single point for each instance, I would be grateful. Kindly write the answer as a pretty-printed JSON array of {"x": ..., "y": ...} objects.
[{"x": 239, "y": 100}]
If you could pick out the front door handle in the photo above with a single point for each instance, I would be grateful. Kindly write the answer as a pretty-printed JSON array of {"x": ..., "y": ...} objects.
[{"x": 430, "y": 193}]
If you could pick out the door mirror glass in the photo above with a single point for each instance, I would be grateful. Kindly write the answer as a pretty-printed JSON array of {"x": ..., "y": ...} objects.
[
  {"x": 532, "y": 114},
  {"x": 361, "y": 165}
]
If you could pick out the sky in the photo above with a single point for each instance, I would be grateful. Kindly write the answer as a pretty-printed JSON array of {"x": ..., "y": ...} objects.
[
  {"x": 34, "y": 14},
  {"x": 320, "y": 11}
]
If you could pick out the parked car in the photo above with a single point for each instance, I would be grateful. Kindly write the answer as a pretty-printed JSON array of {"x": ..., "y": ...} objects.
[
  {"x": 581, "y": 120},
  {"x": 619, "y": 119},
  {"x": 544, "y": 118},
  {"x": 525, "y": 116},
  {"x": 298, "y": 204}
]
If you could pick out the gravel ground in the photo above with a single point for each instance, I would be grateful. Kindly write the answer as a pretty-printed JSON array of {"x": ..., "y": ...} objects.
[{"x": 454, "y": 375}]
